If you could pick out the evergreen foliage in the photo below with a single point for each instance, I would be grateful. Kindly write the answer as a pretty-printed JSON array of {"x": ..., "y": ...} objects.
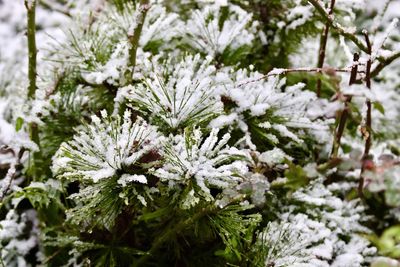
[{"x": 199, "y": 133}]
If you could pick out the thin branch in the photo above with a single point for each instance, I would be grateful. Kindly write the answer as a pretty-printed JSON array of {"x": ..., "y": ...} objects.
[
  {"x": 322, "y": 48},
  {"x": 32, "y": 50},
  {"x": 384, "y": 62},
  {"x": 32, "y": 66},
  {"x": 345, "y": 113},
  {"x": 135, "y": 37},
  {"x": 335, "y": 25},
  {"x": 351, "y": 36},
  {"x": 277, "y": 72},
  {"x": 367, "y": 132}
]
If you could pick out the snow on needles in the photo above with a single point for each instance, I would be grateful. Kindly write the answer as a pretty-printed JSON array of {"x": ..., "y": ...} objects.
[
  {"x": 201, "y": 164},
  {"x": 105, "y": 147},
  {"x": 204, "y": 33},
  {"x": 178, "y": 94}
]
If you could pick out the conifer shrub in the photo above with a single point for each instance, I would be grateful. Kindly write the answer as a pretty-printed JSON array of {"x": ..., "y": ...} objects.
[{"x": 199, "y": 133}]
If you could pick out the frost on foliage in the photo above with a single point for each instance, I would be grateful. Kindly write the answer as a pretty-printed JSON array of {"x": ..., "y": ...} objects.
[
  {"x": 205, "y": 32},
  {"x": 284, "y": 244},
  {"x": 348, "y": 9},
  {"x": 254, "y": 184},
  {"x": 301, "y": 241},
  {"x": 320, "y": 230},
  {"x": 159, "y": 28},
  {"x": 113, "y": 71},
  {"x": 104, "y": 46},
  {"x": 18, "y": 237},
  {"x": 323, "y": 221},
  {"x": 281, "y": 112},
  {"x": 11, "y": 141},
  {"x": 273, "y": 157},
  {"x": 196, "y": 165},
  {"x": 105, "y": 148},
  {"x": 110, "y": 156},
  {"x": 183, "y": 95},
  {"x": 296, "y": 16}
]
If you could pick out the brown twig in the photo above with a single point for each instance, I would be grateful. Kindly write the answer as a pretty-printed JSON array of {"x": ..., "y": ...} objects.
[
  {"x": 367, "y": 130},
  {"x": 344, "y": 114},
  {"x": 351, "y": 36},
  {"x": 384, "y": 62},
  {"x": 277, "y": 72},
  {"x": 335, "y": 25},
  {"x": 322, "y": 48}
]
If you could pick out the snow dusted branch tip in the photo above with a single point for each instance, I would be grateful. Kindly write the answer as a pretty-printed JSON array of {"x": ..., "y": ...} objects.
[
  {"x": 199, "y": 164},
  {"x": 105, "y": 148}
]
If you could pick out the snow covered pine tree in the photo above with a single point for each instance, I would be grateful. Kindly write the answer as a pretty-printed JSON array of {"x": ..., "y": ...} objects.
[{"x": 200, "y": 133}]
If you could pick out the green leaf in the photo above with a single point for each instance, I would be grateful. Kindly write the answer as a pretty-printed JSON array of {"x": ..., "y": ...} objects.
[
  {"x": 296, "y": 176},
  {"x": 18, "y": 124},
  {"x": 388, "y": 243},
  {"x": 379, "y": 107}
]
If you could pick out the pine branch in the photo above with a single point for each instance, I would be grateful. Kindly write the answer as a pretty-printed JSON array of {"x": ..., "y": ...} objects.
[
  {"x": 169, "y": 234},
  {"x": 135, "y": 37},
  {"x": 32, "y": 50},
  {"x": 32, "y": 67},
  {"x": 322, "y": 49}
]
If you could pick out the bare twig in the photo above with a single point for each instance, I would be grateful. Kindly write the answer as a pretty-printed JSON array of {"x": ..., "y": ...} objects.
[
  {"x": 384, "y": 62},
  {"x": 277, "y": 72},
  {"x": 322, "y": 48},
  {"x": 335, "y": 25},
  {"x": 367, "y": 130},
  {"x": 350, "y": 35},
  {"x": 344, "y": 114}
]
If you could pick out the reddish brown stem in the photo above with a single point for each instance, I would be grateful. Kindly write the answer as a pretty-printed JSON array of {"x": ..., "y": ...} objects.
[
  {"x": 369, "y": 106},
  {"x": 322, "y": 48},
  {"x": 368, "y": 124},
  {"x": 277, "y": 72},
  {"x": 345, "y": 113}
]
